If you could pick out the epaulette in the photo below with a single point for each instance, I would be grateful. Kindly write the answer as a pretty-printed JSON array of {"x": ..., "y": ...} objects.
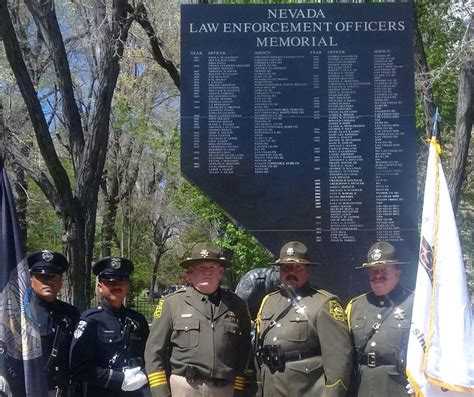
[
  {"x": 349, "y": 308},
  {"x": 357, "y": 297},
  {"x": 325, "y": 293},
  {"x": 179, "y": 291},
  {"x": 91, "y": 311}
]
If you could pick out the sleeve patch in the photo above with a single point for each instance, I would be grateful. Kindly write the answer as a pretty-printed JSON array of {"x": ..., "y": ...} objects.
[
  {"x": 336, "y": 311},
  {"x": 159, "y": 309},
  {"x": 80, "y": 329}
]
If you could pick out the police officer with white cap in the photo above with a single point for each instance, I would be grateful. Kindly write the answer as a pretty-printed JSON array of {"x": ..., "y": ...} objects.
[
  {"x": 109, "y": 341},
  {"x": 55, "y": 319}
]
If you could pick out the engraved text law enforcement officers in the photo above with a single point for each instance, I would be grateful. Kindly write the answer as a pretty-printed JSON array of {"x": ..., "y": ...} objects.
[
  {"x": 380, "y": 324},
  {"x": 56, "y": 319},
  {"x": 108, "y": 345},
  {"x": 199, "y": 342},
  {"x": 303, "y": 342}
]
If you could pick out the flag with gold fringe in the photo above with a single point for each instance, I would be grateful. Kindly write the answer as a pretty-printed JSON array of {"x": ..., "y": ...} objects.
[
  {"x": 440, "y": 357},
  {"x": 22, "y": 371}
]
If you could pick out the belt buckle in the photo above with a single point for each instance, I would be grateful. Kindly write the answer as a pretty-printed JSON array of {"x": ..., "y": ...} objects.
[{"x": 371, "y": 360}]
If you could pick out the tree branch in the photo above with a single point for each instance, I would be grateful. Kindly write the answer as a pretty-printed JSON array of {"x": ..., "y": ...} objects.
[
  {"x": 44, "y": 14},
  {"x": 156, "y": 43},
  {"x": 30, "y": 97}
]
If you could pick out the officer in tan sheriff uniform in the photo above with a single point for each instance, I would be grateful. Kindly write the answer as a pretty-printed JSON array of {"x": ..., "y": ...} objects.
[
  {"x": 303, "y": 343},
  {"x": 199, "y": 343},
  {"x": 380, "y": 325}
]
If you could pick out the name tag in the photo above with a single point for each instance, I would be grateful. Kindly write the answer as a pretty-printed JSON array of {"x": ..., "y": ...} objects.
[{"x": 187, "y": 315}]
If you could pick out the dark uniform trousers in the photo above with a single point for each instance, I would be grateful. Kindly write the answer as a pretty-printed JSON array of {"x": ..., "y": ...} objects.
[
  {"x": 381, "y": 362},
  {"x": 311, "y": 340},
  {"x": 203, "y": 338},
  {"x": 99, "y": 352},
  {"x": 57, "y": 321}
]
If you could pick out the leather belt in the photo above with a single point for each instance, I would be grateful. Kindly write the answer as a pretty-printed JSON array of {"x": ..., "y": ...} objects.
[
  {"x": 302, "y": 354},
  {"x": 374, "y": 360},
  {"x": 215, "y": 381}
]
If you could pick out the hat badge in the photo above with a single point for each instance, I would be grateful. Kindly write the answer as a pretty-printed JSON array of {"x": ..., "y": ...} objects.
[
  {"x": 115, "y": 263},
  {"x": 204, "y": 253},
  {"x": 47, "y": 256},
  {"x": 376, "y": 254},
  {"x": 290, "y": 251}
]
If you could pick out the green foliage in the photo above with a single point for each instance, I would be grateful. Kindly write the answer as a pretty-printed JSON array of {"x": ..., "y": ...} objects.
[
  {"x": 44, "y": 226},
  {"x": 248, "y": 253}
]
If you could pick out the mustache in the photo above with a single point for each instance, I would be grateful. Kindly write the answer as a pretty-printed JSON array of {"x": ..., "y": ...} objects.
[
  {"x": 378, "y": 278},
  {"x": 291, "y": 277}
]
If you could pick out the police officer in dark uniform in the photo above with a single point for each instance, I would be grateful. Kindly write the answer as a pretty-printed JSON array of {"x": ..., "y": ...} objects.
[
  {"x": 199, "y": 344},
  {"x": 380, "y": 325},
  {"x": 109, "y": 341},
  {"x": 303, "y": 342},
  {"x": 56, "y": 319}
]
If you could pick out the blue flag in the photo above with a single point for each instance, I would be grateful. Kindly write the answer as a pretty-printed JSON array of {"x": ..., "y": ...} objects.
[{"x": 22, "y": 371}]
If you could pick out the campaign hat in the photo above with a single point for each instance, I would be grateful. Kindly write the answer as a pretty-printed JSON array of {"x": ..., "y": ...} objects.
[
  {"x": 294, "y": 252},
  {"x": 208, "y": 252},
  {"x": 381, "y": 253}
]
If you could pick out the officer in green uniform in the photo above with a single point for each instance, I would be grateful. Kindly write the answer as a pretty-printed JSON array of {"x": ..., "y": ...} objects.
[
  {"x": 380, "y": 325},
  {"x": 199, "y": 343},
  {"x": 303, "y": 342}
]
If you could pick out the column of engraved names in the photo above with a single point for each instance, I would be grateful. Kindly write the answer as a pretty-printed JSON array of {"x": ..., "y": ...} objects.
[
  {"x": 344, "y": 126},
  {"x": 387, "y": 146},
  {"x": 224, "y": 112},
  {"x": 316, "y": 63},
  {"x": 197, "y": 57},
  {"x": 271, "y": 119}
]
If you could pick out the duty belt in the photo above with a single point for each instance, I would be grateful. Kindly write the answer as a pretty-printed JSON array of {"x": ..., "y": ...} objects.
[
  {"x": 215, "y": 381},
  {"x": 301, "y": 354},
  {"x": 374, "y": 360}
]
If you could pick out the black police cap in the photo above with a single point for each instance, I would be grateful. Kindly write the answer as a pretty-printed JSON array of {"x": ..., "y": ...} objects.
[
  {"x": 47, "y": 261},
  {"x": 113, "y": 267}
]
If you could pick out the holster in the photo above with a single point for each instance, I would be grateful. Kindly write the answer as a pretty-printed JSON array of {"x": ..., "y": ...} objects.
[
  {"x": 191, "y": 373},
  {"x": 271, "y": 356}
]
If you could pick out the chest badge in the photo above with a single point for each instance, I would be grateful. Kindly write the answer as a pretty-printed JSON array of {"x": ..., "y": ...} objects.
[
  {"x": 399, "y": 313},
  {"x": 300, "y": 309}
]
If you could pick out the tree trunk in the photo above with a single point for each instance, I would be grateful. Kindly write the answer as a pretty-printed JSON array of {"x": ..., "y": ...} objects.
[
  {"x": 425, "y": 91},
  {"x": 464, "y": 118}
]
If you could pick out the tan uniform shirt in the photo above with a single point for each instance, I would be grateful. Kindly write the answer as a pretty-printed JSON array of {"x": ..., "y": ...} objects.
[
  {"x": 381, "y": 362},
  {"x": 189, "y": 330},
  {"x": 315, "y": 326}
]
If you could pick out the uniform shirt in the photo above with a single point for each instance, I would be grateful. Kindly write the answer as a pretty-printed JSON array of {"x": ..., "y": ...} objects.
[
  {"x": 98, "y": 338},
  {"x": 315, "y": 322},
  {"x": 55, "y": 319},
  {"x": 210, "y": 333},
  {"x": 387, "y": 346}
]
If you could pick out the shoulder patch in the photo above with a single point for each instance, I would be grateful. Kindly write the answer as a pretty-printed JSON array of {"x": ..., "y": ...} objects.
[
  {"x": 159, "y": 309},
  {"x": 336, "y": 311},
  {"x": 80, "y": 329}
]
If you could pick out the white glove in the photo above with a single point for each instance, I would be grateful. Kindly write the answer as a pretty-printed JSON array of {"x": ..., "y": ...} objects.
[
  {"x": 409, "y": 388},
  {"x": 134, "y": 379}
]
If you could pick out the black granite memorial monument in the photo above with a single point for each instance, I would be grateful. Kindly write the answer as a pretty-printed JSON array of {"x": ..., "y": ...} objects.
[{"x": 299, "y": 121}]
